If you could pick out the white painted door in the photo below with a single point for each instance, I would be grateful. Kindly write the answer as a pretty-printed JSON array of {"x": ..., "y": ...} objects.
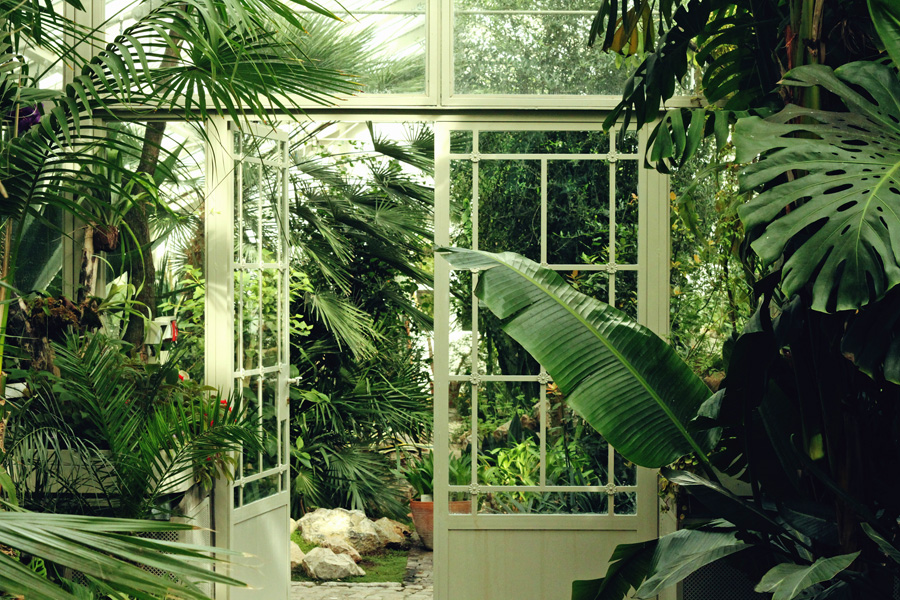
[
  {"x": 247, "y": 259},
  {"x": 547, "y": 500}
]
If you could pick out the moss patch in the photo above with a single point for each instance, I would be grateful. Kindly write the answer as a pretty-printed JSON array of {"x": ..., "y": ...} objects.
[{"x": 388, "y": 566}]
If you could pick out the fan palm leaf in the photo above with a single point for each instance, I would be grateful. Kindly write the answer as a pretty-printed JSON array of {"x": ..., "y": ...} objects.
[{"x": 75, "y": 542}]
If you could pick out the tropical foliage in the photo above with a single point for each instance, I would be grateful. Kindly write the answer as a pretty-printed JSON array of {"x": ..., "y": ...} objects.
[
  {"x": 37, "y": 544},
  {"x": 740, "y": 51},
  {"x": 133, "y": 431},
  {"x": 116, "y": 437},
  {"x": 361, "y": 223},
  {"x": 802, "y": 528}
]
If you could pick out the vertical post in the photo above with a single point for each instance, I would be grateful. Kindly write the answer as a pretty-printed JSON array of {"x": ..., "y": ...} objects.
[
  {"x": 441, "y": 360},
  {"x": 218, "y": 268}
]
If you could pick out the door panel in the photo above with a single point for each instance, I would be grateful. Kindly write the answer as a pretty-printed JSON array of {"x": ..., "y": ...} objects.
[
  {"x": 247, "y": 259},
  {"x": 548, "y": 498}
]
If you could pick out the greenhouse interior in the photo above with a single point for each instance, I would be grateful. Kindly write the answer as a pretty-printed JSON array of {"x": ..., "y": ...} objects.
[{"x": 449, "y": 299}]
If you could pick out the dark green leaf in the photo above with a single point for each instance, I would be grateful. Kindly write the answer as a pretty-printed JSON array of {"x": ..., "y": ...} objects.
[
  {"x": 844, "y": 222},
  {"x": 787, "y": 580}
]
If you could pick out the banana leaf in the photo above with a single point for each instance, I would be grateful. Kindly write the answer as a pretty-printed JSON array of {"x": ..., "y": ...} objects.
[{"x": 619, "y": 376}]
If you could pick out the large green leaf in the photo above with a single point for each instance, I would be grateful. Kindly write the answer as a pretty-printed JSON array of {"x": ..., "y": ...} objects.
[
  {"x": 681, "y": 553},
  {"x": 628, "y": 567},
  {"x": 836, "y": 218},
  {"x": 879, "y": 539},
  {"x": 787, "y": 580},
  {"x": 886, "y": 18},
  {"x": 622, "y": 378}
]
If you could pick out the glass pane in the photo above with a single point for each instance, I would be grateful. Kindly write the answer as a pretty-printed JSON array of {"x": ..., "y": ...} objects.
[
  {"x": 250, "y": 397},
  {"x": 545, "y": 503},
  {"x": 460, "y": 323},
  {"x": 627, "y": 293},
  {"x": 460, "y": 503},
  {"x": 626, "y": 212},
  {"x": 529, "y": 53},
  {"x": 509, "y": 451},
  {"x": 625, "y": 503},
  {"x": 237, "y": 497},
  {"x": 250, "y": 331},
  {"x": 509, "y": 207},
  {"x": 262, "y": 148},
  {"x": 238, "y": 211},
  {"x": 238, "y": 320},
  {"x": 271, "y": 214},
  {"x": 460, "y": 452},
  {"x": 270, "y": 423},
  {"x": 460, "y": 142},
  {"x": 628, "y": 145},
  {"x": 384, "y": 49},
  {"x": 498, "y": 353},
  {"x": 578, "y": 211},
  {"x": 543, "y": 142},
  {"x": 461, "y": 193},
  {"x": 40, "y": 246},
  {"x": 626, "y": 471},
  {"x": 576, "y": 453},
  {"x": 250, "y": 210},
  {"x": 591, "y": 283},
  {"x": 261, "y": 488},
  {"x": 271, "y": 326}
]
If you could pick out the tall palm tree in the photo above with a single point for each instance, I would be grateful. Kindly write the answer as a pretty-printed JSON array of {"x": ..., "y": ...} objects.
[{"x": 191, "y": 59}]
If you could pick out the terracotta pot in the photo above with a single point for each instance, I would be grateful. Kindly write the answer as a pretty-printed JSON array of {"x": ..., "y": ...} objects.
[{"x": 423, "y": 517}]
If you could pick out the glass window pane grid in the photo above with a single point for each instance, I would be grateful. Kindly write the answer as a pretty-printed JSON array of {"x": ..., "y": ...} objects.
[
  {"x": 619, "y": 495},
  {"x": 273, "y": 479}
]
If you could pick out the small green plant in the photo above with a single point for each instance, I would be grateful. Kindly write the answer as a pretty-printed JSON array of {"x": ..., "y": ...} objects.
[{"x": 419, "y": 472}]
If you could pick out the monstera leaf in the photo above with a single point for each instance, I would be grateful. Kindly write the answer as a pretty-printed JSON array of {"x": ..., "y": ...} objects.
[{"x": 834, "y": 213}]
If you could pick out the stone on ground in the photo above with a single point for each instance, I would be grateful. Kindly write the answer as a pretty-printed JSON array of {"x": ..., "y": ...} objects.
[
  {"x": 351, "y": 525},
  {"x": 296, "y": 555},
  {"x": 393, "y": 534},
  {"x": 322, "y": 563},
  {"x": 294, "y": 524},
  {"x": 339, "y": 545}
]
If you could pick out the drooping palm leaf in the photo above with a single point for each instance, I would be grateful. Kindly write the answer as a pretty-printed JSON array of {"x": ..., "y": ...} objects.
[
  {"x": 624, "y": 380},
  {"x": 681, "y": 553},
  {"x": 98, "y": 548},
  {"x": 837, "y": 220}
]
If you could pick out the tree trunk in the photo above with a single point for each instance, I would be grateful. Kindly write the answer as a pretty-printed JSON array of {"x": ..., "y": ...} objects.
[{"x": 141, "y": 270}]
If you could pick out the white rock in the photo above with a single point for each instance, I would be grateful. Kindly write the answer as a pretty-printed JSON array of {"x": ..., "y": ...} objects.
[
  {"x": 294, "y": 524},
  {"x": 322, "y": 563},
  {"x": 392, "y": 533},
  {"x": 339, "y": 545},
  {"x": 350, "y": 525},
  {"x": 296, "y": 555}
]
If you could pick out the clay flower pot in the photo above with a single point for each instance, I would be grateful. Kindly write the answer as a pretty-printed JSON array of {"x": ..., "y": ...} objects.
[{"x": 423, "y": 517}]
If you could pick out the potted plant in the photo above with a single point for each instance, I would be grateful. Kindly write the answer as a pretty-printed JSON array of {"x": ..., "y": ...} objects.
[{"x": 419, "y": 472}]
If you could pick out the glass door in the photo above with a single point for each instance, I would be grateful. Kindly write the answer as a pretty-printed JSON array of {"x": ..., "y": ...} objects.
[{"x": 247, "y": 343}]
